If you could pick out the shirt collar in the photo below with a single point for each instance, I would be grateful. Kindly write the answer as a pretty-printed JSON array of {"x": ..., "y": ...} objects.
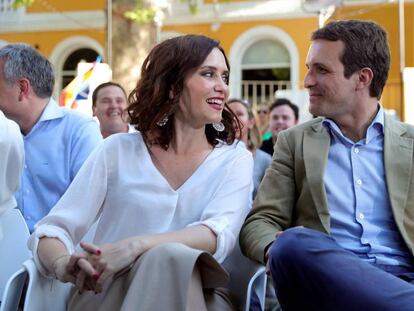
[
  {"x": 374, "y": 129},
  {"x": 51, "y": 111}
]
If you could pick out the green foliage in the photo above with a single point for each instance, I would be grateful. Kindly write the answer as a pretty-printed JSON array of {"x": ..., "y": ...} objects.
[
  {"x": 18, "y": 3},
  {"x": 141, "y": 15}
]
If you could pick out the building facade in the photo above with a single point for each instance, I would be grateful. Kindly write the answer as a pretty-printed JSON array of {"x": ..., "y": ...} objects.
[
  {"x": 67, "y": 32},
  {"x": 267, "y": 42}
]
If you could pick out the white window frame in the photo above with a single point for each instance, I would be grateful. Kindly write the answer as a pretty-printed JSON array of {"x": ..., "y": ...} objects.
[
  {"x": 65, "y": 48},
  {"x": 249, "y": 37}
]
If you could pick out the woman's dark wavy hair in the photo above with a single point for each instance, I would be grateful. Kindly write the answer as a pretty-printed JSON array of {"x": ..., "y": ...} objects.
[{"x": 163, "y": 71}]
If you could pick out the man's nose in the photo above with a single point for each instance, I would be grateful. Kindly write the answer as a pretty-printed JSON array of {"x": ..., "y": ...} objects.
[{"x": 309, "y": 80}]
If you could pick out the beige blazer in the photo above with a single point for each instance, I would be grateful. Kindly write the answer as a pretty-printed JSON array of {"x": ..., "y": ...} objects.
[{"x": 292, "y": 192}]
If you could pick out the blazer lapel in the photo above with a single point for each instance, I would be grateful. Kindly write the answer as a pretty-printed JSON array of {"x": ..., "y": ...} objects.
[
  {"x": 316, "y": 143},
  {"x": 398, "y": 151}
]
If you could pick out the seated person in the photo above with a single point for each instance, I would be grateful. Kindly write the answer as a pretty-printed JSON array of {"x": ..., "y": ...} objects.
[
  {"x": 283, "y": 115},
  {"x": 56, "y": 140},
  {"x": 262, "y": 114},
  {"x": 334, "y": 215},
  {"x": 250, "y": 136},
  {"x": 166, "y": 196},
  {"x": 11, "y": 162},
  {"x": 109, "y": 103}
]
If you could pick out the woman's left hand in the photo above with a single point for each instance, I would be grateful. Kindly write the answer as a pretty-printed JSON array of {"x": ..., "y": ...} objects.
[{"x": 109, "y": 259}]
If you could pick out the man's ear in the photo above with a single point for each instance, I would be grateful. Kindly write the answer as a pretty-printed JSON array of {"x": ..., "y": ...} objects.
[
  {"x": 94, "y": 111},
  {"x": 24, "y": 87},
  {"x": 365, "y": 77}
]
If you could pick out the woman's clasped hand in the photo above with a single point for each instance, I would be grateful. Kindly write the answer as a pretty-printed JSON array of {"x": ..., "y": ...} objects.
[{"x": 88, "y": 270}]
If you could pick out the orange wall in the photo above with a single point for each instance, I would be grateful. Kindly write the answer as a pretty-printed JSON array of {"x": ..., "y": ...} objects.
[
  {"x": 298, "y": 29},
  {"x": 387, "y": 16},
  {"x": 41, "y": 6},
  {"x": 224, "y": 1},
  {"x": 47, "y": 41}
]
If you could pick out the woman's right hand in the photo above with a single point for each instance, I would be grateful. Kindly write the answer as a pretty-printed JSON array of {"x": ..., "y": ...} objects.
[{"x": 74, "y": 269}]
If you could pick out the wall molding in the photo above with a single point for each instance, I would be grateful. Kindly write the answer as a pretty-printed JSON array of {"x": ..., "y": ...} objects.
[
  {"x": 71, "y": 20},
  {"x": 249, "y": 37},
  {"x": 66, "y": 47}
]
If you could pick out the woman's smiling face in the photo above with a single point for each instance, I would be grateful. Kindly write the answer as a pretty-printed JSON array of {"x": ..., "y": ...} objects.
[{"x": 205, "y": 91}]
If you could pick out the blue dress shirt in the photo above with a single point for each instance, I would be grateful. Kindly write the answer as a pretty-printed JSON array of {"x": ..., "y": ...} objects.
[
  {"x": 358, "y": 200},
  {"x": 55, "y": 149}
]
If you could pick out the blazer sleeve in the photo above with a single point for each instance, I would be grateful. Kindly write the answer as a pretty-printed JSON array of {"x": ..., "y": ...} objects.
[{"x": 274, "y": 203}]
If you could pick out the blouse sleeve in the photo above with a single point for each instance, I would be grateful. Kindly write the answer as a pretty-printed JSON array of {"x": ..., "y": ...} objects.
[
  {"x": 77, "y": 209},
  {"x": 11, "y": 162},
  {"x": 225, "y": 213}
]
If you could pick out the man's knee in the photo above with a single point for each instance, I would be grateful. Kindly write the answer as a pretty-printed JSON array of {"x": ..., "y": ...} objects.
[{"x": 292, "y": 246}]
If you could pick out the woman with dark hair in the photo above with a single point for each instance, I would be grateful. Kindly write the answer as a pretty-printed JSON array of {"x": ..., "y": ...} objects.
[
  {"x": 251, "y": 137},
  {"x": 170, "y": 198}
]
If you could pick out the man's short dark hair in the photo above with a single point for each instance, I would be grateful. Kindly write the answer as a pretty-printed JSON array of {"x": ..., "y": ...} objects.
[
  {"x": 284, "y": 101},
  {"x": 103, "y": 85},
  {"x": 366, "y": 45}
]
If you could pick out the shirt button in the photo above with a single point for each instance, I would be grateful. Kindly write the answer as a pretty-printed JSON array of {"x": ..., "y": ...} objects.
[
  {"x": 25, "y": 166},
  {"x": 361, "y": 216},
  {"x": 356, "y": 150},
  {"x": 359, "y": 182},
  {"x": 365, "y": 241}
]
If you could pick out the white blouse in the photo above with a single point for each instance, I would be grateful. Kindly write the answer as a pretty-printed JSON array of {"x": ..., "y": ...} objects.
[
  {"x": 120, "y": 185},
  {"x": 11, "y": 162}
]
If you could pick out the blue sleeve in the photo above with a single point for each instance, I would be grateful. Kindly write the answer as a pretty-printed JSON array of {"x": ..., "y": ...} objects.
[{"x": 84, "y": 141}]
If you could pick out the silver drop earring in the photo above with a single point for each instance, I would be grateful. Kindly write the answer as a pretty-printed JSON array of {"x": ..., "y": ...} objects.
[
  {"x": 163, "y": 121},
  {"x": 219, "y": 126}
]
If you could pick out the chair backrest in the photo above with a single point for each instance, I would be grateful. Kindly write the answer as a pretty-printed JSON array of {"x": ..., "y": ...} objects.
[
  {"x": 13, "y": 291},
  {"x": 46, "y": 293},
  {"x": 246, "y": 277},
  {"x": 14, "y": 234}
]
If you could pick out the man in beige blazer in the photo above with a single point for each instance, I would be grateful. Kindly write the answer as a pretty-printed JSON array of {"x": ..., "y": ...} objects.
[{"x": 334, "y": 215}]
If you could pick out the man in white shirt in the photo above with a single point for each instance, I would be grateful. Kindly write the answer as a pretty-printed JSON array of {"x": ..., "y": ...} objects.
[{"x": 11, "y": 162}]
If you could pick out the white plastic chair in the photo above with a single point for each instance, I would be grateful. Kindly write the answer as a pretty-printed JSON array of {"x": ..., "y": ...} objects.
[
  {"x": 13, "y": 291},
  {"x": 246, "y": 277},
  {"x": 13, "y": 245},
  {"x": 44, "y": 293}
]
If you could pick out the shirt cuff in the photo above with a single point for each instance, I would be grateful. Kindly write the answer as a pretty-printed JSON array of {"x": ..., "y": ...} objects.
[
  {"x": 50, "y": 232},
  {"x": 225, "y": 238}
]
